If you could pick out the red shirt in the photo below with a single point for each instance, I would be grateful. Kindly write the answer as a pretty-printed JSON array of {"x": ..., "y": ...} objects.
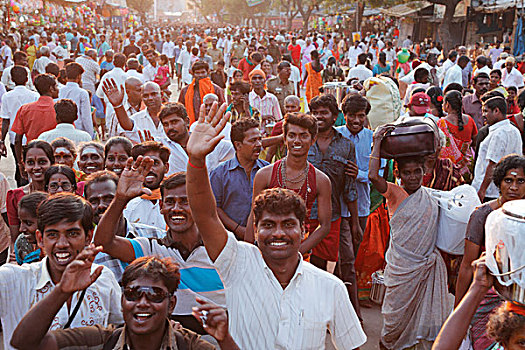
[
  {"x": 34, "y": 118},
  {"x": 246, "y": 68},
  {"x": 295, "y": 51}
]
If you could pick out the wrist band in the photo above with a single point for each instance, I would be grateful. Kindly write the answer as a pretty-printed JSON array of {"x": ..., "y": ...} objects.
[
  {"x": 120, "y": 105},
  {"x": 375, "y": 157},
  {"x": 196, "y": 167},
  {"x": 235, "y": 229}
]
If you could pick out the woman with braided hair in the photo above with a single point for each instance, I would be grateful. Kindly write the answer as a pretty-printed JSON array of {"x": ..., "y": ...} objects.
[{"x": 460, "y": 130}]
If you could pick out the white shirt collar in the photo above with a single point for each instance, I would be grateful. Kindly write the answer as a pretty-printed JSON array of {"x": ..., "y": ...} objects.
[
  {"x": 72, "y": 83},
  {"x": 45, "y": 277},
  {"x": 499, "y": 124}
]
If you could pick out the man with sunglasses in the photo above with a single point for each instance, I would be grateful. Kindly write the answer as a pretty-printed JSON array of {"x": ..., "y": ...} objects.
[
  {"x": 182, "y": 242},
  {"x": 148, "y": 299}
]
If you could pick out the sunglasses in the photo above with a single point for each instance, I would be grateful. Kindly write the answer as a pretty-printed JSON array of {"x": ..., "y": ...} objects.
[{"x": 153, "y": 294}]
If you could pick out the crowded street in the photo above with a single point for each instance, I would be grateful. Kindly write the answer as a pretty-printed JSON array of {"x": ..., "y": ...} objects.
[{"x": 251, "y": 174}]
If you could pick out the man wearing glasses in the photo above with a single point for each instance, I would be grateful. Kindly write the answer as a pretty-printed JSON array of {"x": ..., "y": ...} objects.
[{"x": 148, "y": 300}]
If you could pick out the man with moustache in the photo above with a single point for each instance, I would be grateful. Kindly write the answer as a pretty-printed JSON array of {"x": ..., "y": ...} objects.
[
  {"x": 146, "y": 209},
  {"x": 182, "y": 242},
  {"x": 176, "y": 124},
  {"x": 472, "y": 103},
  {"x": 145, "y": 120},
  {"x": 232, "y": 181},
  {"x": 191, "y": 96},
  {"x": 99, "y": 190}
]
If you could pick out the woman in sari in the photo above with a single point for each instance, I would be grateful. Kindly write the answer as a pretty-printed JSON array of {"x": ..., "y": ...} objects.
[
  {"x": 460, "y": 130},
  {"x": 314, "y": 79},
  {"x": 416, "y": 298},
  {"x": 509, "y": 177}
]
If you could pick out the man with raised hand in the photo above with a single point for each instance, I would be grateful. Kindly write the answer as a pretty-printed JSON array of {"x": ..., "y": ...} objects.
[
  {"x": 274, "y": 298},
  {"x": 182, "y": 243}
]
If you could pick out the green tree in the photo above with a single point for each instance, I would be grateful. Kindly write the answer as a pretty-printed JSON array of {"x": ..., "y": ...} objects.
[
  {"x": 141, "y": 6},
  {"x": 208, "y": 8}
]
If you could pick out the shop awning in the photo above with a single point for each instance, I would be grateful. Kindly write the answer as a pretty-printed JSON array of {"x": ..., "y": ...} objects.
[
  {"x": 490, "y": 6},
  {"x": 406, "y": 9}
]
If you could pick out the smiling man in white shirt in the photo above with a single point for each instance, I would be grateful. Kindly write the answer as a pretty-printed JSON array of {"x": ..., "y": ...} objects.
[
  {"x": 146, "y": 120},
  {"x": 175, "y": 121},
  {"x": 511, "y": 76},
  {"x": 274, "y": 298},
  {"x": 65, "y": 227}
]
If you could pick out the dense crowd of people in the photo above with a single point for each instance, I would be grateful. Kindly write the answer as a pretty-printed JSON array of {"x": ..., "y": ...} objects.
[{"x": 201, "y": 187}]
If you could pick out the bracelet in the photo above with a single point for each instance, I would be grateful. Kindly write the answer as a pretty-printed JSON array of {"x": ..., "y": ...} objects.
[
  {"x": 196, "y": 167},
  {"x": 120, "y": 105},
  {"x": 371, "y": 156},
  {"x": 235, "y": 229}
]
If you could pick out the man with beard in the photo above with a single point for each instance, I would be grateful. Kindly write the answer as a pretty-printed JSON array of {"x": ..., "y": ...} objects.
[
  {"x": 176, "y": 124},
  {"x": 232, "y": 181},
  {"x": 145, "y": 120},
  {"x": 182, "y": 242},
  {"x": 472, "y": 103},
  {"x": 65, "y": 227},
  {"x": 99, "y": 190},
  {"x": 191, "y": 96},
  {"x": 146, "y": 209},
  {"x": 330, "y": 153}
]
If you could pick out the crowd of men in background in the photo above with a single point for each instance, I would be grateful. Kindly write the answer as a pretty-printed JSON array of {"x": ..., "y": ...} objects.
[{"x": 225, "y": 151}]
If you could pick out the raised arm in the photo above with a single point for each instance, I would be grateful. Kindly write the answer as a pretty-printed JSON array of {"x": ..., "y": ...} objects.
[
  {"x": 116, "y": 98},
  {"x": 203, "y": 140},
  {"x": 375, "y": 159},
  {"x": 456, "y": 326},
  {"x": 129, "y": 187},
  {"x": 32, "y": 331}
]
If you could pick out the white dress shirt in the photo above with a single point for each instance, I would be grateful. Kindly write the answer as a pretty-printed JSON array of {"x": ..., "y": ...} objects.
[
  {"x": 134, "y": 73},
  {"x": 185, "y": 62},
  {"x": 360, "y": 72},
  {"x": 8, "y": 82},
  {"x": 144, "y": 211},
  {"x": 21, "y": 287},
  {"x": 41, "y": 64},
  {"x": 168, "y": 49},
  {"x": 514, "y": 78},
  {"x": 112, "y": 125},
  {"x": 11, "y": 103},
  {"x": 7, "y": 53},
  {"x": 65, "y": 130},
  {"x": 503, "y": 139},
  {"x": 264, "y": 316},
  {"x": 142, "y": 121},
  {"x": 179, "y": 158},
  {"x": 81, "y": 97},
  {"x": 453, "y": 75},
  {"x": 266, "y": 105},
  {"x": 352, "y": 54},
  {"x": 149, "y": 72}
]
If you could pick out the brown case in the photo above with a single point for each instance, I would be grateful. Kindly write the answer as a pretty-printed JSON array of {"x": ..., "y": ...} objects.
[{"x": 412, "y": 137}]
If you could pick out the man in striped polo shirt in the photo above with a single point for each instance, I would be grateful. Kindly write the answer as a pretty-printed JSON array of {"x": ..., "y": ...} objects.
[{"x": 182, "y": 242}]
